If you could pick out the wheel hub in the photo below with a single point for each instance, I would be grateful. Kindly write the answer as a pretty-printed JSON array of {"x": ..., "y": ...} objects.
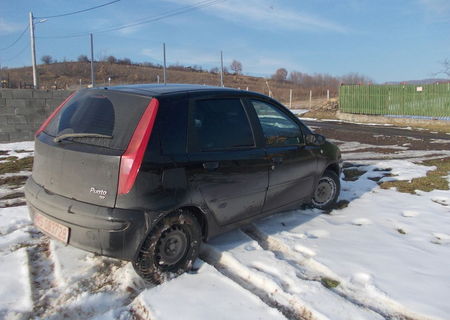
[
  {"x": 172, "y": 246},
  {"x": 325, "y": 190}
]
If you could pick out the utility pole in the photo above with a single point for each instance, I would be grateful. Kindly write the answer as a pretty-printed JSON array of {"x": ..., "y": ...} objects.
[
  {"x": 290, "y": 99},
  {"x": 33, "y": 51},
  {"x": 92, "y": 61},
  {"x": 270, "y": 91},
  {"x": 164, "y": 67},
  {"x": 310, "y": 99},
  {"x": 221, "y": 69}
]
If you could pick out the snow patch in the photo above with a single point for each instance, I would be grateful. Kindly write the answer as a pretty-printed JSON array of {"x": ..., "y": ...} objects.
[
  {"x": 361, "y": 222},
  {"x": 15, "y": 288},
  {"x": 408, "y": 272},
  {"x": 13, "y": 218},
  {"x": 440, "y": 141},
  {"x": 205, "y": 295},
  {"x": 316, "y": 234},
  {"x": 410, "y": 213},
  {"x": 307, "y": 252}
]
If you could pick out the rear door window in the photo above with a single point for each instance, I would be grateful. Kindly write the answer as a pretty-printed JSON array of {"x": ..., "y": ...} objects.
[
  {"x": 113, "y": 115},
  {"x": 221, "y": 124}
]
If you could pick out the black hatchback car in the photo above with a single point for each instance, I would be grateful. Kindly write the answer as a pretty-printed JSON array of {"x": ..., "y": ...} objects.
[{"x": 147, "y": 172}]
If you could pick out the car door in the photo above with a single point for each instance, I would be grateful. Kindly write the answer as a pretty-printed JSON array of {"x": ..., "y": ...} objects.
[
  {"x": 225, "y": 165},
  {"x": 292, "y": 162}
]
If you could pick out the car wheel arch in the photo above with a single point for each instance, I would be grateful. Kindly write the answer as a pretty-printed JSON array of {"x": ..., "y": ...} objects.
[{"x": 333, "y": 167}]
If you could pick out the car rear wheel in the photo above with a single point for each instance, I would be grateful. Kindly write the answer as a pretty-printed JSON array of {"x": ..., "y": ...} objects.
[
  {"x": 327, "y": 191},
  {"x": 170, "y": 249}
]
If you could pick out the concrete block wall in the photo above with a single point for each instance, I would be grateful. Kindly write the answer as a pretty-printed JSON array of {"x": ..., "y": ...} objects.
[{"x": 22, "y": 111}]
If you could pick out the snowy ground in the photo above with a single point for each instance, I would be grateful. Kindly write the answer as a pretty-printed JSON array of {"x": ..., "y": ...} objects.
[{"x": 384, "y": 256}]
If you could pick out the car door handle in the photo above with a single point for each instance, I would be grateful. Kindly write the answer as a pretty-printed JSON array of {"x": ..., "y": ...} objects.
[
  {"x": 212, "y": 165},
  {"x": 277, "y": 160}
]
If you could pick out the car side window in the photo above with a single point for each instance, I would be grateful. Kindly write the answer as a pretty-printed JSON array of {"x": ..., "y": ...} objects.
[
  {"x": 173, "y": 126},
  {"x": 220, "y": 124},
  {"x": 278, "y": 128}
]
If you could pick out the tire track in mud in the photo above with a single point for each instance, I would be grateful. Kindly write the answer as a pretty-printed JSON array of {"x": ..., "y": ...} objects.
[
  {"x": 312, "y": 270},
  {"x": 43, "y": 283}
]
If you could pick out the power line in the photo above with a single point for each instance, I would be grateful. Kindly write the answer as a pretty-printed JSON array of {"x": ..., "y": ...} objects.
[
  {"x": 79, "y": 11},
  {"x": 167, "y": 14},
  {"x": 18, "y": 54},
  {"x": 164, "y": 15},
  {"x": 17, "y": 40}
]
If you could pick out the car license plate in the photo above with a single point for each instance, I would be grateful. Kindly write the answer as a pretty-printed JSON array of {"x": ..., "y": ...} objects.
[{"x": 53, "y": 228}]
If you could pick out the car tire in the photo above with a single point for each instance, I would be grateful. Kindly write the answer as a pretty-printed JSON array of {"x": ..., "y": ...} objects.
[
  {"x": 170, "y": 249},
  {"x": 327, "y": 191}
]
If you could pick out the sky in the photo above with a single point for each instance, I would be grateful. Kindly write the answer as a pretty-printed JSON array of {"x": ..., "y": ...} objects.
[{"x": 385, "y": 40}]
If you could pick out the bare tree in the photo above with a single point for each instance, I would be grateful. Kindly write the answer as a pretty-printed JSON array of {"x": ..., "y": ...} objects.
[
  {"x": 83, "y": 58},
  {"x": 214, "y": 70},
  {"x": 236, "y": 67},
  {"x": 295, "y": 77},
  {"x": 47, "y": 59},
  {"x": 445, "y": 68},
  {"x": 111, "y": 59},
  {"x": 280, "y": 75},
  {"x": 355, "y": 78},
  {"x": 126, "y": 61}
]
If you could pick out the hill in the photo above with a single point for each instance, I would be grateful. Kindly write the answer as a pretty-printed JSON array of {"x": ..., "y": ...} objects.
[{"x": 73, "y": 75}]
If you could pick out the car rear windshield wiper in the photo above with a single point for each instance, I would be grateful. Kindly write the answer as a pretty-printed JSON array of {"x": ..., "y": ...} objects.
[{"x": 81, "y": 135}]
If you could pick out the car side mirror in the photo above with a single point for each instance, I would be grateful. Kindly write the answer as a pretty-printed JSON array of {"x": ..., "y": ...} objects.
[{"x": 315, "y": 139}]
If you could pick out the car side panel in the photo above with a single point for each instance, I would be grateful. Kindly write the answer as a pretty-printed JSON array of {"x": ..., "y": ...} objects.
[{"x": 292, "y": 179}]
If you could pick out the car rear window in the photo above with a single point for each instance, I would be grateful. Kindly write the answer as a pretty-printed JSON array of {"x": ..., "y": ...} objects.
[
  {"x": 102, "y": 112},
  {"x": 221, "y": 124}
]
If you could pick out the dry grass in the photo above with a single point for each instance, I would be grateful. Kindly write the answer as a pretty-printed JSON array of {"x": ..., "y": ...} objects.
[
  {"x": 14, "y": 195},
  {"x": 352, "y": 174},
  {"x": 24, "y": 164},
  {"x": 435, "y": 127},
  {"x": 13, "y": 180},
  {"x": 320, "y": 114},
  {"x": 435, "y": 179},
  {"x": 329, "y": 283}
]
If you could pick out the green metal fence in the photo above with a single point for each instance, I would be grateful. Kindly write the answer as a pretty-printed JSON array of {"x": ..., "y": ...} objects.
[{"x": 431, "y": 100}]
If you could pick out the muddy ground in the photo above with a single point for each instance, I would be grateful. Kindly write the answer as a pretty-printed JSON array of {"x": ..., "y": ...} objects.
[{"x": 379, "y": 135}]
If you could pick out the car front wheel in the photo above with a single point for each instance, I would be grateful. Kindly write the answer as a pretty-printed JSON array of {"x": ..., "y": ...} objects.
[{"x": 327, "y": 191}]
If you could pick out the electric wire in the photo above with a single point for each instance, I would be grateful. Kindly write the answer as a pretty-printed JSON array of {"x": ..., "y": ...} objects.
[
  {"x": 164, "y": 15},
  {"x": 17, "y": 55},
  {"x": 79, "y": 11},
  {"x": 17, "y": 40}
]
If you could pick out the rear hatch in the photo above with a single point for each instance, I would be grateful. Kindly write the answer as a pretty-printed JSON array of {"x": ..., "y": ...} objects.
[{"x": 78, "y": 154}]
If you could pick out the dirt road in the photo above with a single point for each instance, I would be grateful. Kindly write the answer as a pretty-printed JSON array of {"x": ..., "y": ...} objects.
[{"x": 379, "y": 135}]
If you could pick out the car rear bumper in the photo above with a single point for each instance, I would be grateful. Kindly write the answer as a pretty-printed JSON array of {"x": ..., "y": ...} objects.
[{"x": 107, "y": 231}]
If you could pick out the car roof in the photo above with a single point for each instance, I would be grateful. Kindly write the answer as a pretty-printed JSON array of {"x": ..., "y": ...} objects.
[{"x": 164, "y": 89}]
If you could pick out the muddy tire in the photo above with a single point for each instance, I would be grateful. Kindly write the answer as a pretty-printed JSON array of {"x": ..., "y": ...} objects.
[
  {"x": 170, "y": 249},
  {"x": 327, "y": 191}
]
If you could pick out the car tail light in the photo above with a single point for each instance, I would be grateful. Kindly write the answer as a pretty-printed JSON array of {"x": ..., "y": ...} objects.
[
  {"x": 131, "y": 160},
  {"x": 52, "y": 115}
]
